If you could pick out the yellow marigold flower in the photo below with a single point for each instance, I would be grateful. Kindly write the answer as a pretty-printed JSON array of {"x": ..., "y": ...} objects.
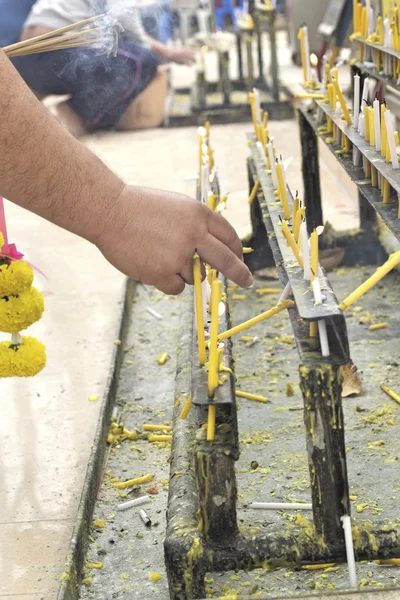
[
  {"x": 24, "y": 360},
  {"x": 15, "y": 277},
  {"x": 19, "y": 312}
]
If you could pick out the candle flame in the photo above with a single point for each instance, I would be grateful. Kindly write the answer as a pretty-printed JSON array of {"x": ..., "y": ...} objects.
[
  {"x": 204, "y": 49},
  {"x": 314, "y": 60},
  {"x": 320, "y": 229},
  {"x": 221, "y": 207},
  {"x": 221, "y": 309},
  {"x": 201, "y": 131}
]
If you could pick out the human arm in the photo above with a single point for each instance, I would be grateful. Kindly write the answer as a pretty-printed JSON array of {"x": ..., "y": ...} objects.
[{"x": 147, "y": 234}]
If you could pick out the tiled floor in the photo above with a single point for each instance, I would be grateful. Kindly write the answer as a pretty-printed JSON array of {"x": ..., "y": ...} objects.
[{"x": 47, "y": 423}]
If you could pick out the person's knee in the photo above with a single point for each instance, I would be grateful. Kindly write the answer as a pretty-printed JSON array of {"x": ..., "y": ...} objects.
[{"x": 148, "y": 109}]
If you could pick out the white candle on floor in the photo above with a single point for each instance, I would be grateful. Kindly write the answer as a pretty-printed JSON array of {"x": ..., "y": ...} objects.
[
  {"x": 377, "y": 125},
  {"x": 305, "y": 251},
  {"x": 351, "y": 562},
  {"x": 356, "y": 101}
]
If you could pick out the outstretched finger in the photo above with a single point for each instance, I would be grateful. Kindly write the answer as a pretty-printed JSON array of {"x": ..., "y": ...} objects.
[
  {"x": 220, "y": 257},
  {"x": 219, "y": 227}
]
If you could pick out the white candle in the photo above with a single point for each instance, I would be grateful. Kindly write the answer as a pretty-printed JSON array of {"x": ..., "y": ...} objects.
[
  {"x": 285, "y": 293},
  {"x": 351, "y": 562},
  {"x": 377, "y": 125},
  {"x": 281, "y": 505},
  {"x": 305, "y": 251},
  {"x": 130, "y": 503},
  {"x": 357, "y": 157},
  {"x": 271, "y": 156},
  {"x": 361, "y": 124},
  {"x": 390, "y": 137},
  {"x": 323, "y": 338},
  {"x": 356, "y": 101},
  {"x": 261, "y": 152},
  {"x": 365, "y": 93},
  {"x": 307, "y": 53},
  {"x": 316, "y": 286},
  {"x": 257, "y": 104}
]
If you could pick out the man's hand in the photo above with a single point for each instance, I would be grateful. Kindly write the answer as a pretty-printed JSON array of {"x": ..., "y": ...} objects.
[
  {"x": 182, "y": 56},
  {"x": 152, "y": 235}
]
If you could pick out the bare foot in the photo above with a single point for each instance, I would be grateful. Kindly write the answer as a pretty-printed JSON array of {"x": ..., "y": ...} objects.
[{"x": 73, "y": 122}]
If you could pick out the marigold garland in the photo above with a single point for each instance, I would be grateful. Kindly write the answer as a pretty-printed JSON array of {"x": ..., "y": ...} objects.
[
  {"x": 24, "y": 360},
  {"x": 15, "y": 277},
  {"x": 19, "y": 312}
]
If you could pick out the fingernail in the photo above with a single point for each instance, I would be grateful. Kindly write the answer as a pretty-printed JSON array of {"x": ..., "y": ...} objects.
[{"x": 249, "y": 281}]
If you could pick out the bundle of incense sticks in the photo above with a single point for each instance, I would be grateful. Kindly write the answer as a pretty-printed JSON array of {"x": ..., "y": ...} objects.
[{"x": 71, "y": 36}]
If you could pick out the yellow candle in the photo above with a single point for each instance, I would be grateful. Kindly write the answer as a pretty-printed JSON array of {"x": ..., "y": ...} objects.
[
  {"x": 331, "y": 94},
  {"x": 282, "y": 191},
  {"x": 381, "y": 32},
  {"x": 212, "y": 413},
  {"x": 291, "y": 242},
  {"x": 211, "y": 200},
  {"x": 342, "y": 102},
  {"x": 355, "y": 24},
  {"x": 207, "y": 128},
  {"x": 265, "y": 119},
  {"x": 364, "y": 22},
  {"x": 213, "y": 356},
  {"x": 390, "y": 393},
  {"x": 309, "y": 96},
  {"x": 314, "y": 254},
  {"x": 383, "y": 130},
  {"x": 248, "y": 396},
  {"x": 391, "y": 263},
  {"x": 186, "y": 408},
  {"x": 150, "y": 427},
  {"x": 131, "y": 482},
  {"x": 162, "y": 359},
  {"x": 247, "y": 250},
  {"x": 371, "y": 126},
  {"x": 295, "y": 209},
  {"x": 160, "y": 438},
  {"x": 313, "y": 329},
  {"x": 304, "y": 58},
  {"x": 374, "y": 176},
  {"x": 366, "y": 123},
  {"x": 199, "y": 308},
  {"x": 299, "y": 218},
  {"x": 377, "y": 326},
  {"x": 262, "y": 317},
  {"x": 254, "y": 191}
]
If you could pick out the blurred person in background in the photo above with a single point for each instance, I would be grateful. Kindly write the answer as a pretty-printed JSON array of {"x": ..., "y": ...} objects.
[{"x": 126, "y": 91}]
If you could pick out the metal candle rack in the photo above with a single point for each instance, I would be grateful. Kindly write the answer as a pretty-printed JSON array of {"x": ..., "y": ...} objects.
[{"x": 202, "y": 531}]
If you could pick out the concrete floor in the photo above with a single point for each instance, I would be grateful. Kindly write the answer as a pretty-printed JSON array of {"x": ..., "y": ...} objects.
[{"x": 47, "y": 423}]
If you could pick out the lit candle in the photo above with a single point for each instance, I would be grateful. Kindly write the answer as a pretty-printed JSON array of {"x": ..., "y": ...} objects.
[
  {"x": 342, "y": 101},
  {"x": 199, "y": 308},
  {"x": 314, "y": 254},
  {"x": 379, "y": 274},
  {"x": 262, "y": 317},
  {"x": 377, "y": 125},
  {"x": 216, "y": 293},
  {"x": 271, "y": 156},
  {"x": 282, "y": 190},
  {"x": 305, "y": 251},
  {"x": 356, "y": 101},
  {"x": 291, "y": 242},
  {"x": 391, "y": 139}
]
